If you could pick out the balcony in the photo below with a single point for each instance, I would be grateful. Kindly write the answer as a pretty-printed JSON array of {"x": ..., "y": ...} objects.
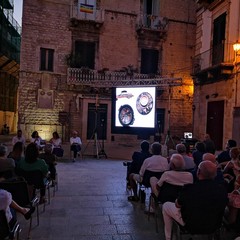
[
  {"x": 149, "y": 25},
  {"x": 210, "y": 4},
  {"x": 108, "y": 79},
  {"x": 10, "y": 38},
  {"x": 91, "y": 16},
  {"x": 215, "y": 64},
  {"x": 7, "y": 4}
]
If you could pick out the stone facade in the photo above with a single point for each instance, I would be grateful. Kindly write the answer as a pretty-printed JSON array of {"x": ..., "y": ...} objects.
[
  {"x": 118, "y": 43},
  {"x": 216, "y": 83}
]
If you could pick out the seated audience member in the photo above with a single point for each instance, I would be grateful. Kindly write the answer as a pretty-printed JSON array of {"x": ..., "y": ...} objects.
[
  {"x": 19, "y": 138},
  {"x": 200, "y": 206},
  {"x": 189, "y": 163},
  {"x": 37, "y": 140},
  {"x": 232, "y": 169},
  {"x": 176, "y": 176},
  {"x": 233, "y": 205},
  {"x": 225, "y": 156},
  {"x": 154, "y": 166},
  {"x": 31, "y": 162},
  {"x": 198, "y": 153},
  {"x": 210, "y": 157},
  {"x": 9, "y": 206},
  {"x": 50, "y": 160},
  {"x": 56, "y": 142},
  {"x": 209, "y": 144},
  {"x": 16, "y": 153},
  {"x": 7, "y": 165},
  {"x": 76, "y": 144},
  {"x": 137, "y": 160}
]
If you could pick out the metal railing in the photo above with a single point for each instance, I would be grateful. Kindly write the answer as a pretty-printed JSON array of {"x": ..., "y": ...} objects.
[
  {"x": 152, "y": 22},
  {"x": 97, "y": 15},
  {"x": 8, "y": 14},
  {"x": 82, "y": 76},
  {"x": 218, "y": 54}
]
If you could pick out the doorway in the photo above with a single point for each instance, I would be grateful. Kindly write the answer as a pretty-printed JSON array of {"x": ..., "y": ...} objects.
[{"x": 215, "y": 116}]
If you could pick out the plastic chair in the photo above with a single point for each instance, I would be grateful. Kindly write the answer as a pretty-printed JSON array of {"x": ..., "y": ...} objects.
[
  {"x": 36, "y": 179},
  {"x": 182, "y": 230},
  {"x": 20, "y": 191},
  {"x": 168, "y": 193},
  {"x": 6, "y": 231}
]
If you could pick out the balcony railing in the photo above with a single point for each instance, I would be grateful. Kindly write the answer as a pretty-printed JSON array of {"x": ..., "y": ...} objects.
[
  {"x": 219, "y": 54},
  {"x": 7, "y": 4},
  {"x": 152, "y": 22},
  {"x": 89, "y": 77},
  {"x": 9, "y": 16},
  {"x": 96, "y": 15}
]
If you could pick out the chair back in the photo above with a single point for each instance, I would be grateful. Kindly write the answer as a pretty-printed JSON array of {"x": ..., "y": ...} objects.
[
  {"x": 34, "y": 178},
  {"x": 169, "y": 192},
  {"x": 148, "y": 174},
  {"x": 7, "y": 174},
  {"x": 4, "y": 227},
  {"x": 18, "y": 188}
]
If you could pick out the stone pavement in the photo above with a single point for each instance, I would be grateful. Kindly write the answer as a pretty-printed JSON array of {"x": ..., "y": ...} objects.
[{"x": 91, "y": 204}]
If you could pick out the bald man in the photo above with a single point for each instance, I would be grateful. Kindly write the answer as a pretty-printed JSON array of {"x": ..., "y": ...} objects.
[
  {"x": 176, "y": 176},
  {"x": 200, "y": 206},
  {"x": 210, "y": 157}
]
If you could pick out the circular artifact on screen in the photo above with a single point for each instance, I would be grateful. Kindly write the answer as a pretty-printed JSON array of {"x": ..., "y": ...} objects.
[
  {"x": 126, "y": 115},
  {"x": 144, "y": 103}
]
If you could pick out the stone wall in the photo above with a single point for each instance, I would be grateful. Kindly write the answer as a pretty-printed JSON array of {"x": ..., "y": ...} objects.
[{"x": 47, "y": 24}]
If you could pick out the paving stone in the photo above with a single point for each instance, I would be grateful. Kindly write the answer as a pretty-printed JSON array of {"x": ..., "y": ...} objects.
[{"x": 91, "y": 204}]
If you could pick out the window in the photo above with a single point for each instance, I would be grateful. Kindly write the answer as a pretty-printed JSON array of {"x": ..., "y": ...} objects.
[
  {"x": 46, "y": 59},
  {"x": 151, "y": 11},
  {"x": 219, "y": 26},
  {"x": 149, "y": 61},
  {"x": 84, "y": 54}
]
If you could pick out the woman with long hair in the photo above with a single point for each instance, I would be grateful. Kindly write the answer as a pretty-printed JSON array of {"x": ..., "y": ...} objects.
[{"x": 31, "y": 162}]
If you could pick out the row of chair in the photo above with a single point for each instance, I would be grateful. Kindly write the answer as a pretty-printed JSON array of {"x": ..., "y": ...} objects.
[
  {"x": 170, "y": 192},
  {"x": 24, "y": 190}
]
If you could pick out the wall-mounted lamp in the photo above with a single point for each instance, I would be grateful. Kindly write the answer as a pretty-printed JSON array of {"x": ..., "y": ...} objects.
[{"x": 236, "y": 46}]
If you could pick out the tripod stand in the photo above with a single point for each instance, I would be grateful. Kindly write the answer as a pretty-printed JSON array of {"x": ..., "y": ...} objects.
[
  {"x": 102, "y": 151},
  {"x": 168, "y": 138},
  {"x": 96, "y": 143}
]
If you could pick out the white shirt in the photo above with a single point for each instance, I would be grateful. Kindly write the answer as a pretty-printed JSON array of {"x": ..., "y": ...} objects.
[
  {"x": 37, "y": 141},
  {"x": 5, "y": 201},
  {"x": 156, "y": 163},
  {"x": 75, "y": 140},
  {"x": 178, "y": 178},
  {"x": 16, "y": 139},
  {"x": 56, "y": 142}
]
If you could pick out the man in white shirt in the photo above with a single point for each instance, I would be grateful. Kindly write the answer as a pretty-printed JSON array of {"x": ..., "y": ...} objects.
[
  {"x": 176, "y": 176},
  {"x": 152, "y": 166},
  {"x": 19, "y": 138},
  {"x": 76, "y": 144}
]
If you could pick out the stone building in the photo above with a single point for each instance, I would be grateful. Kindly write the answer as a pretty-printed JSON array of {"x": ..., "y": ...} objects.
[
  {"x": 10, "y": 38},
  {"x": 74, "y": 54},
  {"x": 216, "y": 71}
]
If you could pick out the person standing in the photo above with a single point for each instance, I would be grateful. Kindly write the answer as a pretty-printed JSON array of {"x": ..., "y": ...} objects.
[
  {"x": 76, "y": 144},
  {"x": 209, "y": 144}
]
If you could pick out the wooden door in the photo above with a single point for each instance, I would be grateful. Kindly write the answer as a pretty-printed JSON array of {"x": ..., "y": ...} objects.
[{"x": 215, "y": 116}]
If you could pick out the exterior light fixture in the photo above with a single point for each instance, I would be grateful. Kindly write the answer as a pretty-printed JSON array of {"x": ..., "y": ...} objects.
[{"x": 236, "y": 46}]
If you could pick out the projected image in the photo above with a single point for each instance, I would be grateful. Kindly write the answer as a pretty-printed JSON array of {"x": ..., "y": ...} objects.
[
  {"x": 135, "y": 107},
  {"x": 144, "y": 103}
]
